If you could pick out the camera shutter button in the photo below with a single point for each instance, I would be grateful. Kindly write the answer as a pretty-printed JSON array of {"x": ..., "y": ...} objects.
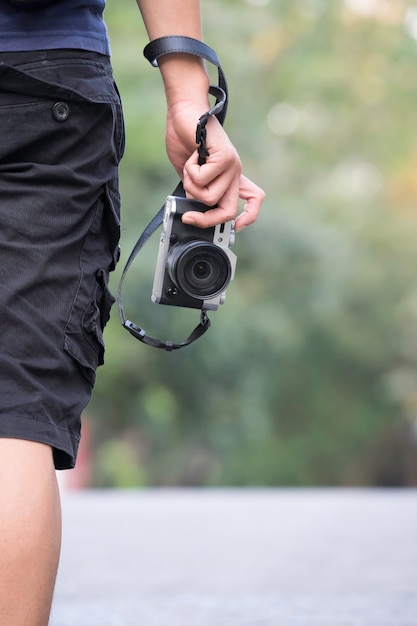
[{"x": 60, "y": 111}]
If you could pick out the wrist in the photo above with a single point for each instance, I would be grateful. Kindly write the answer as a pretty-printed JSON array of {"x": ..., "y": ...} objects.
[{"x": 185, "y": 80}]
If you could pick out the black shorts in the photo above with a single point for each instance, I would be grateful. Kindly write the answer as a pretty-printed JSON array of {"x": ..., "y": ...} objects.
[{"x": 61, "y": 141}]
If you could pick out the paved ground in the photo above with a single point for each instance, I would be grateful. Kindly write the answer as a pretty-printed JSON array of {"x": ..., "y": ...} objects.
[{"x": 238, "y": 557}]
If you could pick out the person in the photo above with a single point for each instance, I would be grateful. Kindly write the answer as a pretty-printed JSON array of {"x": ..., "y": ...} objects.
[{"x": 62, "y": 139}]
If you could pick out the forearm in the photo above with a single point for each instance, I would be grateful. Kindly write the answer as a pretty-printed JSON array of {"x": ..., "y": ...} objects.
[
  {"x": 171, "y": 17},
  {"x": 184, "y": 76}
]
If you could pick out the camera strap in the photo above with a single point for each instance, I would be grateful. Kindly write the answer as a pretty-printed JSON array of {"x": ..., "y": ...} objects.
[{"x": 154, "y": 50}]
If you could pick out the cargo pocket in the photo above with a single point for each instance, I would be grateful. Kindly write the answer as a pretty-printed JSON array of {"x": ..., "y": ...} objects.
[
  {"x": 91, "y": 307},
  {"x": 112, "y": 212},
  {"x": 84, "y": 333}
]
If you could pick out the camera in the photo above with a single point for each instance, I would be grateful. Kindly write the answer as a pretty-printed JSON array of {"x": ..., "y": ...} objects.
[{"x": 194, "y": 265}]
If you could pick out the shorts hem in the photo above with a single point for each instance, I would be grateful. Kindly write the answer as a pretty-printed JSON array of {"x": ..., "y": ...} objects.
[{"x": 63, "y": 444}]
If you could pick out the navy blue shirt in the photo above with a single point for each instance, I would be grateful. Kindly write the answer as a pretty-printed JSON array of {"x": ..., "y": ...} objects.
[{"x": 60, "y": 24}]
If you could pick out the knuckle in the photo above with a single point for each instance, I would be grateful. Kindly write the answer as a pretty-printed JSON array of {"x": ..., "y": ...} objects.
[
  {"x": 261, "y": 194},
  {"x": 228, "y": 216},
  {"x": 209, "y": 198}
]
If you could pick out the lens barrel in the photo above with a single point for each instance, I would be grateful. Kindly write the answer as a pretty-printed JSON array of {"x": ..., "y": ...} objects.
[{"x": 202, "y": 270}]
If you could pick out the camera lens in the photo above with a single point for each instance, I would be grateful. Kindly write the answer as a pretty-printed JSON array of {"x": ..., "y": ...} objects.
[{"x": 201, "y": 270}]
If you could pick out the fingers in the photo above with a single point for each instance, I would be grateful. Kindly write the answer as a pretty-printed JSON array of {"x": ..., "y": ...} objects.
[
  {"x": 227, "y": 206},
  {"x": 219, "y": 183},
  {"x": 211, "y": 181},
  {"x": 215, "y": 185},
  {"x": 254, "y": 197}
]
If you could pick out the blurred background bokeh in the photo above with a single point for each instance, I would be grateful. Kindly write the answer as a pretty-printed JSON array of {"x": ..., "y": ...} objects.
[{"x": 308, "y": 375}]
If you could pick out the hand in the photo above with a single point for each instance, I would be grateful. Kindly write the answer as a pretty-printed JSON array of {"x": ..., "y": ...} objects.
[{"x": 219, "y": 182}]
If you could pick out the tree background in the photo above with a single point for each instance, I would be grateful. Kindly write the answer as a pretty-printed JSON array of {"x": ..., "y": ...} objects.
[{"x": 308, "y": 374}]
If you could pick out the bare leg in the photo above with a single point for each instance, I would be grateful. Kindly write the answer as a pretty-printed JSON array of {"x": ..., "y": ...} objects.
[{"x": 30, "y": 532}]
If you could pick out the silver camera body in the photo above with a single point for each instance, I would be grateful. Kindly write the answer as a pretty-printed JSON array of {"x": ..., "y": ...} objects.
[{"x": 194, "y": 265}]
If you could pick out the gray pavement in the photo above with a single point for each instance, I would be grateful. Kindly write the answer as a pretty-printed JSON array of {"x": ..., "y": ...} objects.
[{"x": 279, "y": 557}]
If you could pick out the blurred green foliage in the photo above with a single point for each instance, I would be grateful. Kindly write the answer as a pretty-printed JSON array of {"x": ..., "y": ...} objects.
[{"x": 308, "y": 375}]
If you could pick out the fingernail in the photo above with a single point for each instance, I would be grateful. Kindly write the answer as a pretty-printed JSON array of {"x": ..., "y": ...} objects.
[{"x": 188, "y": 220}]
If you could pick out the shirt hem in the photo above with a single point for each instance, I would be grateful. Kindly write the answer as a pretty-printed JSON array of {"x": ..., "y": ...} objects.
[{"x": 16, "y": 42}]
